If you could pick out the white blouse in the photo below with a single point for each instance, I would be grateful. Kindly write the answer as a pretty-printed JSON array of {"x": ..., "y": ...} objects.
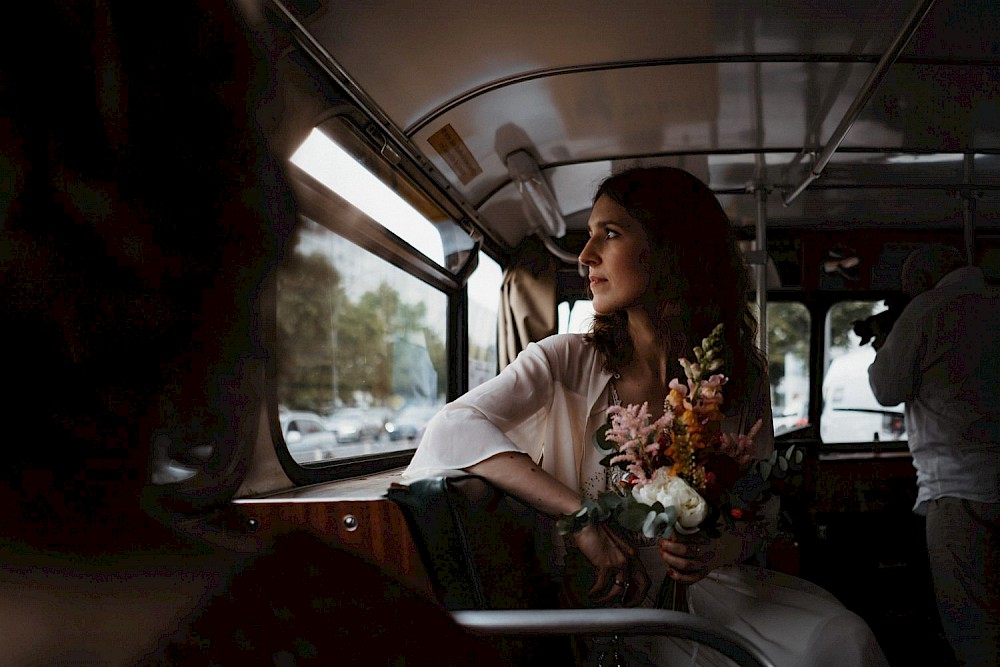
[{"x": 548, "y": 404}]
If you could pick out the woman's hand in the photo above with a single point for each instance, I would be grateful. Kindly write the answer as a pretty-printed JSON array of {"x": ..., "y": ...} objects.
[
  {"x": 619, "y": 576},
  {"x": 690, "y": 558}
]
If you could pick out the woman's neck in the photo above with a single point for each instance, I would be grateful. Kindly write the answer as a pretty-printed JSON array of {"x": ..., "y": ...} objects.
[
  {"x": 645, "y": 377},
  {"x": 651, "y": 352}
]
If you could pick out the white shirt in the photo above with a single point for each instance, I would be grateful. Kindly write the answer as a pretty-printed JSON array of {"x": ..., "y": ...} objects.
[{"x": 941, "y": 358}]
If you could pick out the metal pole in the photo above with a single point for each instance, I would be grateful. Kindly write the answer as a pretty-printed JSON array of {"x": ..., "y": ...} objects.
[
  {"x": 969, "y": 210},
  {"x": 867, "y": 90},
  {"x": 761, "y": 268}
]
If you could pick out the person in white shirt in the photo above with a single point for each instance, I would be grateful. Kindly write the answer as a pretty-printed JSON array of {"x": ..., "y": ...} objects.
[{"x": 941, "y": 358}]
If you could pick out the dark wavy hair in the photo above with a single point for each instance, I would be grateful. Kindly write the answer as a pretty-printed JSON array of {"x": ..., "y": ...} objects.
[{"x": 697, "y": 264}]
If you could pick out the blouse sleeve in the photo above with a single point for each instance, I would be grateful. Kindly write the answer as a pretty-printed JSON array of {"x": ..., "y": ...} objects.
[{"x": 505, "y": 414}]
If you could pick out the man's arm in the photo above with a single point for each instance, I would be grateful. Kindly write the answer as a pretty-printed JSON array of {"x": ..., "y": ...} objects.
[{"x": 893, "y": 375}]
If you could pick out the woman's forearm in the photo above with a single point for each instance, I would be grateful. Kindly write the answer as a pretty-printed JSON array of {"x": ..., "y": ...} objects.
[{"x": 519, "y": 476}]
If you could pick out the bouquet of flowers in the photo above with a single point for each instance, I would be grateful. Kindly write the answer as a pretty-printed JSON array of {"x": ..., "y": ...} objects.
[{"x": 680, "y": 472}]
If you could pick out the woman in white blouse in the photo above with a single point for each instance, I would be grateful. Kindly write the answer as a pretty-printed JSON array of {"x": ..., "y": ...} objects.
[{"x": 664, "y": 269}]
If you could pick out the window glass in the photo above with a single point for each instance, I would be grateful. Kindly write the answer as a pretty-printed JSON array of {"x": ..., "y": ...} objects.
[
  {"x": 360, "y": 346},
  {"x": 484, "y": 303},
  {"x": 333, "y": 166},
  {"x": 336, "y": 156},
  {"x": 576, "y": 319},
  {"x": 788, "y": 364},
  {"x": 850, "y": 411}
]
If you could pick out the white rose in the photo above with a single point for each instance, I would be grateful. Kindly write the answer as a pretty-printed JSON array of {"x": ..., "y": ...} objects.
[{"x": 673, "y": 491}]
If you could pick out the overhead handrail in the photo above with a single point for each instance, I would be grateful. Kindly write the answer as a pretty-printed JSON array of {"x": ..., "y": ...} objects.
[
  {"x": 562, "y": 254},
  {"x": 867, "y": 90},
  {"x": 563, "y": 622}
]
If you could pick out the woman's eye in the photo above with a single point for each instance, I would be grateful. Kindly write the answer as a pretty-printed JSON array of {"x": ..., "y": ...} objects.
[{"x": 611, "y": 234}]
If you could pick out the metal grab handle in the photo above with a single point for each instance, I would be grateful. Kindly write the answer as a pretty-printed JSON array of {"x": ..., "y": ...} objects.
[{"x": 613, "y": 621}]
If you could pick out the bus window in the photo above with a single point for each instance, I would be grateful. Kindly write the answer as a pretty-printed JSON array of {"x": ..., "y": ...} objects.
[
  {"x": 484, "y": 301},
  {"x": 575, "y": 319},
  {"x": 788, "y": 326},
  {"x": 357, "y": 341},
  {"x": 328, "y": 162},
  {"x": 362, "y": 298},
  {"x": 850, "y": 411}
]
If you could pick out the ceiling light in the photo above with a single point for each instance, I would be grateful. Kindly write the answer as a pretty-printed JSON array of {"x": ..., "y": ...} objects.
[{"x": 539, "y": 200}]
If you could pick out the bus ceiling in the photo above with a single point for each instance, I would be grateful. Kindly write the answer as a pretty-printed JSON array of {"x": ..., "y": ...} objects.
[{"x": 862, "y": 115}]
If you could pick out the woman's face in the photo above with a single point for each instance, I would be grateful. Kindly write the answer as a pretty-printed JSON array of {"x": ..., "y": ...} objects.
[{"x": 618, "y": 257}]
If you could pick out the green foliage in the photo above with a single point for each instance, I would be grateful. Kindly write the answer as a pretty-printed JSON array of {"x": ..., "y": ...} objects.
[
  {"x": 625, "y": 510},
  {"x": 309, "y": 293},
  {"x": 788, "y": 328},
  {"x": 329, "y": 348},
  {"x": 841, "y": 317},
  {"x": 781, "y": 464}
]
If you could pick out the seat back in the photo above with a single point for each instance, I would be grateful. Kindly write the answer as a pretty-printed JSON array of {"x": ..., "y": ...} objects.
[{"x": 478, "y": 544}]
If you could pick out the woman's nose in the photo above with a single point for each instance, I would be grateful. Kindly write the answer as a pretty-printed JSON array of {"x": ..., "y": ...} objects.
[{"x": 587, "y": 256}]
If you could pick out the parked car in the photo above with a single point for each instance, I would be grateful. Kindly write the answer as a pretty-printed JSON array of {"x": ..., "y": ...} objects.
[
  {"x": 410, "y": 422},
  {"x": 354, "y": 424},
  {"x": 791, "y": 418},
  {"x": 345, "y": 427},
  {"x": 307, "y": 437}
]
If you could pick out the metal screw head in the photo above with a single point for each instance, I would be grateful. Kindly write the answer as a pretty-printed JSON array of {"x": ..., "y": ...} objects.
[{"x": 350, "y": 523}]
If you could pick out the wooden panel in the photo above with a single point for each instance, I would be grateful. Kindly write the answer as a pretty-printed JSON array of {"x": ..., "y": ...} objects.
[
  {"x": 373, "y": 529},
  {"x": 864, "y": 484}
]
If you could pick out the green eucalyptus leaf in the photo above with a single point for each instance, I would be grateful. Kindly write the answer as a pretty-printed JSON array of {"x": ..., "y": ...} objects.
[
  {"x": 659, "y": 524},
  {"x": 765, "y": 469},
  {"x": 609, "y": 501},
  {"x": 671, "y": 513},
  {"x": 782, "y": 464},
  {"x": 633, "y": 517}
]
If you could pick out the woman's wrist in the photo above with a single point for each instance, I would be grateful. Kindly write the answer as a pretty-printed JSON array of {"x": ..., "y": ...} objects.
[{"x": 575, "y": 522}]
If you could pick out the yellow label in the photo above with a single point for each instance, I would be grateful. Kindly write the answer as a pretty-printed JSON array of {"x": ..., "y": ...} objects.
[{"x": 453, "y": 150}]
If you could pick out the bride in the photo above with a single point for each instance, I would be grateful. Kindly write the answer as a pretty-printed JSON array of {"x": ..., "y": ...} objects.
[{"x": 664, "y": 268}]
